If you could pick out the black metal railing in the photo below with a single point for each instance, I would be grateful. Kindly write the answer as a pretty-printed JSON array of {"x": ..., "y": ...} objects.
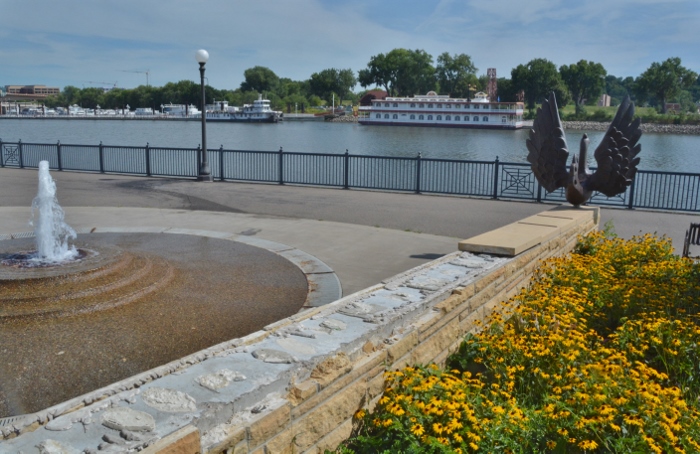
[{"x": 674, "y": 191}]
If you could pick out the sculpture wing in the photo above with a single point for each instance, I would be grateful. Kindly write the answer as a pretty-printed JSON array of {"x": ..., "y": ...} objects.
[
  {"x": 617, "y": 153},
  {"x": 547, "y": 147}
]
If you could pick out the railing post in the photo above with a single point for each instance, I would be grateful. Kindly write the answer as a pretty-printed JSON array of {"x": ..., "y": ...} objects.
[
  {"x": 281, "y": 166},
  {"x": 418, "y": 165},
  {"x": 630, "y": 203},
  {"x": 221, "y": 162},
  {"x": 539, "y": 192},
  {"x": 495, "y": 178},
  {"x": 199, "y": 159},
  {"x": 58, "y": 155},
  {"x": 2, "y": 153},
  {"x": 148, "y": 160},
  {"x": 102, "y": 158},
  {"x": 21, "y": 158},
  {"x": 346, "y": 164}
]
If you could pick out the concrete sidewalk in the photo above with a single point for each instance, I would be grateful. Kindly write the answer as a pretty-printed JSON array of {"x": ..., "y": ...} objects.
[{"x": 364, "y": 236}]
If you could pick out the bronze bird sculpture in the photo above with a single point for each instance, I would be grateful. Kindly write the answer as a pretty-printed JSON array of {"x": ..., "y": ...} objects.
[{"x": 616, "y": 154}]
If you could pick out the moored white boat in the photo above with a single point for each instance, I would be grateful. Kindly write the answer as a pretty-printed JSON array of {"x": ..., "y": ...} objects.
[
  {"x": 258, "y": 112},
  {"x": 442, "y": 111}
]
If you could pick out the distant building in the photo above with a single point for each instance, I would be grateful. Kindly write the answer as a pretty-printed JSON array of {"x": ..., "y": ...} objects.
[
  {"x": 31, "y": 91},
  {"x": 366, "y": 100},
  {"x": 604, "y": 101}
]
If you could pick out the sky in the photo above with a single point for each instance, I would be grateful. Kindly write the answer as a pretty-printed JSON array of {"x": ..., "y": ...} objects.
[{"x": 127, "y": 43}]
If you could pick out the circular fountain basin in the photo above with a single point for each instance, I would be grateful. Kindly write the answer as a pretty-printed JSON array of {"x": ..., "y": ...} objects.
[{"x": 131, "y": 302}]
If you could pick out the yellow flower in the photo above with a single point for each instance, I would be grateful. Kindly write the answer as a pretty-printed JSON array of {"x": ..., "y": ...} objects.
[{"x": 417, "y": 430}]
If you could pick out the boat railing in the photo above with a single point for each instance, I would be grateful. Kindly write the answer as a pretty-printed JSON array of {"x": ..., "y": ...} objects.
[{"x": 658, "y": 190}]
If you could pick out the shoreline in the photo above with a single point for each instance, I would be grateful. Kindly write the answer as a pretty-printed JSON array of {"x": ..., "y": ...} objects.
[{"x": 645, "y": 127}]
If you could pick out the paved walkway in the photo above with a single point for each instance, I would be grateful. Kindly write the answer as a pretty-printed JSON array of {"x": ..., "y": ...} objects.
[{"x": 364, "y": 236}]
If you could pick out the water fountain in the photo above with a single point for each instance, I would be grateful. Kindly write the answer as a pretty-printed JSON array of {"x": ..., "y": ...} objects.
[{"x": 81, "y": 311}]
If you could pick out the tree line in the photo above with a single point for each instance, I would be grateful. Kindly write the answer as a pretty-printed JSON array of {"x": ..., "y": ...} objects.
[{"x": 404, "y": 72}]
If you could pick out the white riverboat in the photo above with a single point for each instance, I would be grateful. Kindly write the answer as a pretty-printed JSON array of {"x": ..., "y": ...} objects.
[
  {"x": 258, "y": 112},
  {"x": 442, "y": 111}
]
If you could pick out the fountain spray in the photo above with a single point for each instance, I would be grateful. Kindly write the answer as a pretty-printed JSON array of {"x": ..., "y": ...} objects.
[{"x": 51, "y": 231}]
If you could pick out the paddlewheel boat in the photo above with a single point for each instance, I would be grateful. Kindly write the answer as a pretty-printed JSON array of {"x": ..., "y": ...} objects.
[{"x": 436, "y": 110}]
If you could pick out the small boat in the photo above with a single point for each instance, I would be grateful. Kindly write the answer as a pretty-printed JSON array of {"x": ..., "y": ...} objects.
[
  {"x": 258, "y": 112},
  {"x": 179, "y": 110}
]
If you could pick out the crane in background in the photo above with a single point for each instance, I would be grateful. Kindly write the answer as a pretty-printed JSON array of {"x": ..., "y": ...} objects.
[{"x": 146, "y": 72}]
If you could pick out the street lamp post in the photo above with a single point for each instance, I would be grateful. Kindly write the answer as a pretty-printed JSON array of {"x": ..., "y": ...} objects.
[{"x": 204, "y": 171}]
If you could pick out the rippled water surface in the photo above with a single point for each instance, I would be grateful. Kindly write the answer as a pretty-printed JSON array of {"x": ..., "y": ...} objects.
[{"x": 679, "y": 153}]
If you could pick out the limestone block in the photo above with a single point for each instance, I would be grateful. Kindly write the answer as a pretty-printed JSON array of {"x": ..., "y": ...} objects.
[
  {"x": 299, "y": 392},
  {"x": 235, "y": 441},
  {"x": 451, "y": 302},
  {"x": 331, "y": 368},
  {"x": 284, "y": 443},
  {"x": 334, "y": 439},
  {"x": 268, "y": 426},
  {"x": 182, "y": 441},
  {"x": 402, "y": 346},
  {"x": 362, "y": 366},
  {"x": 329, "y": 415}
]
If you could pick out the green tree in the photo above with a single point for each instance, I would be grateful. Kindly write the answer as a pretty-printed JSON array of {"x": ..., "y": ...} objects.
[
  {"x": 506, "y": 91},
  {"x": 585, "y": 80},
  {"x": 537, "y": 79},
  {"x": 329, "y": 81},
  {"x": 71, "y": 95},
  {"x": 400, "y": 72},
  {"x": 664, "y": 81},
  {"x": 455, "y": 74},
  {"x": 259, "y": 79}
]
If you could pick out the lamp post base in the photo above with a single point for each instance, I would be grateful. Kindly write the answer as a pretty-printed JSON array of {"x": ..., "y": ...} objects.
[{"x": 206, "y": 178}]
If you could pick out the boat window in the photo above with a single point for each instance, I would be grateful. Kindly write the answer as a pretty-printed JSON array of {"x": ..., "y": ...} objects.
[
  {"x": 395, "y": 117},
  {"x": 420, "y": 117},
  {"x": 476, "y": 106},
  {"x": 503, "y": 119},
  {"x": 430, "y": 117},
  {"x": 421, "y": 105},
  {"x": 475, "y": 118},
  {"x": 457, "y": 106},
  {"x": 413, "y": 117},
  {"x": 439, "y": 106},
  {"x": 413, "y": 104},
  {"x": 386, "y": 104},
  {"x": 379, "y": 116},
  {"x": 430, "y": 106},
  {"x": 448, "y": 118},
  {"x": 396, "y": 104},
  {"x": 386, "y": 115},
  {"x": 456, "y": 117},
  {"x": 449, "y": 106},
  {"x": 439, "y": 117},
  {"x": 485, "y": 118}
]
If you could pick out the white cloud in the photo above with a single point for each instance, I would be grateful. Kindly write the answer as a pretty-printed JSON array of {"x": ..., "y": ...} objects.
[{"x": 72, "y": 41}]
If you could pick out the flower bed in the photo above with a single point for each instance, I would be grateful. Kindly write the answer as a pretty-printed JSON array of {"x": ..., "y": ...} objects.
[{"x": 599, "y": 354}]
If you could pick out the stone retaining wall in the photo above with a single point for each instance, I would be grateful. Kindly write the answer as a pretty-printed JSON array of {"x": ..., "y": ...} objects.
[{"x": 295, "y": 386}]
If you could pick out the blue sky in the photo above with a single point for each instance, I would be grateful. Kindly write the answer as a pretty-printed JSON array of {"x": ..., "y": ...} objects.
[{"x": 99, "y": 42}]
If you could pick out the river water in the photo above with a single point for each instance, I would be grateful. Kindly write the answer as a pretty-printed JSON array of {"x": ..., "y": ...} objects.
[{"x": 675, "y": 153}]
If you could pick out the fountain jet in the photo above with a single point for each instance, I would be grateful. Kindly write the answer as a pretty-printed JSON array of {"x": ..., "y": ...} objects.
[{"x": 51, "y": 231}]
